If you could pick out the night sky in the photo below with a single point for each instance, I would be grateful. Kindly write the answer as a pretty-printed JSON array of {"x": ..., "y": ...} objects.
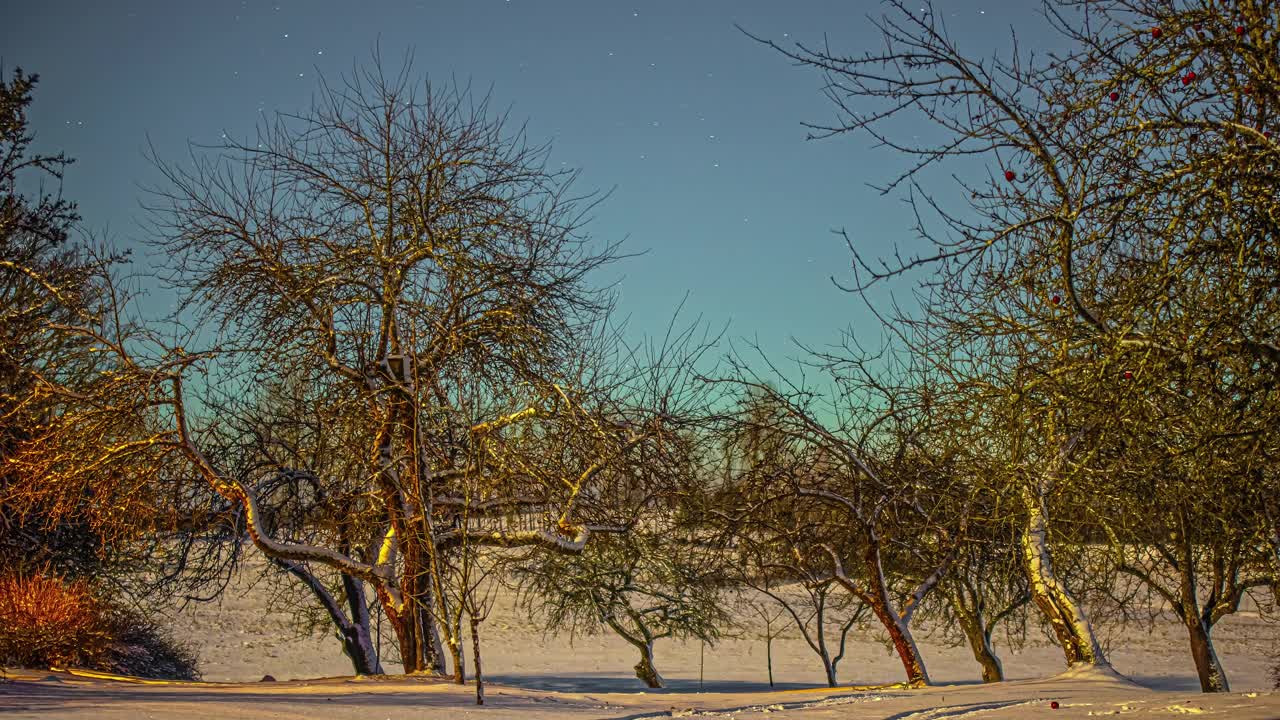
[{"x": 695, "y": 128}]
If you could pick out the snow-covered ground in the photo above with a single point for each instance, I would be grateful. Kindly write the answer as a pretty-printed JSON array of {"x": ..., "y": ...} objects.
[{"x": 535, "y": 675}]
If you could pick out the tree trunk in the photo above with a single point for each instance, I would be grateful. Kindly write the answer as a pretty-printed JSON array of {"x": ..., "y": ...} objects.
[
  {"x": 1070, "y": 624},
  {"x": 435, "y": 648},
  {"x": 973, "y": 625},
  {"x": 475, "y": 660},
  {"x": 353, "y": 631},
  {"x": 1274, "y": 557},
  {"x": 1212, "y": 677},
  {"x": 828, "y": 667},
  {"x": 455, "y": 654},
  {"x": 985, "y": 654},
  {"x": 904, "y": 643},
  {"x": 357, "y": 645},
  {"x": 898, "y": 628},
  {"x": 1199, "y": 625},
  {"x": 403, "y": 630},
  {"x": 645, "y": 669},
  {"x": 408, "y": 624},
  {"x": 419, "y": 655},
  {"x": 768, "y": 651},
  {"x": 356, "y": 639},
  {"x": 830, "y": 671}
]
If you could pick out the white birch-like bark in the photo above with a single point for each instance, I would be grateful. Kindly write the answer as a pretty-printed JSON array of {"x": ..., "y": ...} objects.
[{"x": 1067, "y": 618}]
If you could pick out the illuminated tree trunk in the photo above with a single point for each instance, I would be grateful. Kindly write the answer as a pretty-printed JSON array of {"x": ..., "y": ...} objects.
[
  {"x": 1070, "y": 624},
  {"x": 416, "y": 633},
  {"x": 455, "y": 654},
  {"x": 898, "y": 628}
]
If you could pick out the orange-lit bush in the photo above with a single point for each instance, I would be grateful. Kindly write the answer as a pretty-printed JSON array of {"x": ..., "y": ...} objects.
[
  {"x": 49, "y": 622},
  {"x": 46, "y": 621}
]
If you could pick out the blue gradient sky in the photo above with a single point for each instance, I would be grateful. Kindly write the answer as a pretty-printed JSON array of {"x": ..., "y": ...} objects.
[{"x": 695, "y": 128}]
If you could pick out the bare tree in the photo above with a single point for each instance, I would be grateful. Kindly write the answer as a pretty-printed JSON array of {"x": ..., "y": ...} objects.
[
  {"x": 1123, "y": 228},
  {"x": 986, "y": 587},
  {"x": 411, "y": 258},
  {"x": 770, "y": 613},
  {"x": 45, "y": 277},
  {"x": 644, "y": 586},
  {"x": 51, "y": 282},
  {"x": 1187, "y": 522},
  {"x": 823, "y": 614},
  {"x": 864, "y": 492}
]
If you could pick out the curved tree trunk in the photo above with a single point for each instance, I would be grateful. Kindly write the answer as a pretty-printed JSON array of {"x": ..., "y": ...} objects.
[
  {"x": 356, "y": 638},
  {"x": 978, "y": 635},
  {"x": 1070, "y": 624},
  {"x": 353, "y": 631},
  {"x": 985, "y": 654},
  {"x": 898, "y": 627},
  {"x": 897, "y": 623},
  {"x": 904, "y": 643},
  {"x": 645, "y": 669},
  {"x": 1208, "y": 668}
]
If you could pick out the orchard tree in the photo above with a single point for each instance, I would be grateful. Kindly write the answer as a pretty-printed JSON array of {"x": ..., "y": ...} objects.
[
  {"x": 643, "y": 587},
  {"x": 820, "y": 610},
  {"x": 405, "y": 252},
  {"x": 1189, "y": 522},
  {"x": 864, "y": 493},
  {"x": 984, "y": 589},
  {"x": 1122, "y": 232},
  {"x": 296, "y": 445}
]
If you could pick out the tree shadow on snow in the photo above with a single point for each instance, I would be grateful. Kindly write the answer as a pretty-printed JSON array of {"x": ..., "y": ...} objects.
[
  {"x": 1179, "y": 683},
  {"x": 612, "y": 682}
]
